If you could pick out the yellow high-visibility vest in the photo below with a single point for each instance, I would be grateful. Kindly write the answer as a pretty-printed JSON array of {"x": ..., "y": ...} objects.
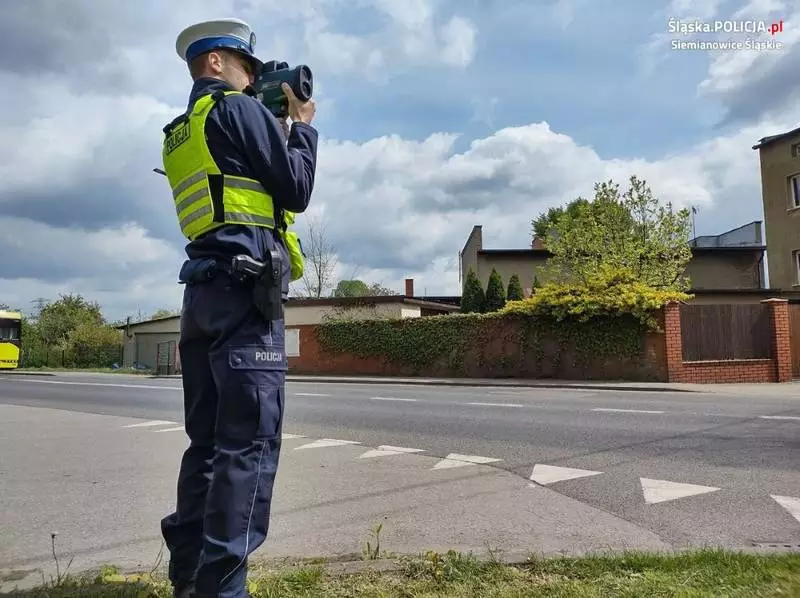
[{"x": 205, "y": 199}]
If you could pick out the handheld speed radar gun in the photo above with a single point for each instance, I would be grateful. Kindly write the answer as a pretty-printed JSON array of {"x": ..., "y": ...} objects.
[
  {"x": 267, "y": 85},
  {"x": 267, "y": 88}
]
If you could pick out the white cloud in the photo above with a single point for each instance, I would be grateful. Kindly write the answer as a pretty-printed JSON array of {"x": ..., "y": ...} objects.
[
  {"x": 398, "y": 208},
  {"x": 750, "y": 82},
  {"x": 406, "y": 207},
  {"x": 122, "y": 267},
  {"x": 758, "y": 82},
  {"x": 84, "y": 213},
  {"x": 410, "y": 35}
]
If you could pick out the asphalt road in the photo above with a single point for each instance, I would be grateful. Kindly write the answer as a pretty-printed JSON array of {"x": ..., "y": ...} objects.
[{"x": 691, "y": 468}]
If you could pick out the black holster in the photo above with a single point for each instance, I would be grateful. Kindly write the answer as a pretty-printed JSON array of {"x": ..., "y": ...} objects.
[
  {"x": 267, "y": 281},
  {"x": 267, "y": 288}
]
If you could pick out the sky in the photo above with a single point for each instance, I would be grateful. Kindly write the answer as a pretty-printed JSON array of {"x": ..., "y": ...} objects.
[{"x": 433, "y": 115}]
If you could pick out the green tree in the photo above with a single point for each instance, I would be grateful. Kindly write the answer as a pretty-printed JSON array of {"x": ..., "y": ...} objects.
[
  {"x": 473, "y": 299},
  {"x": 515, "y": 292},
  {"x": 359, "y": 288},
  {"x": 56, "y": 320},
  {"x": 536, "y": 284},
  {"x": 351, "y": 288},
  {"x": 543, "y": 224},
  {"x": 495, "y": 293},
  {"x": 94, "y": 346},
  {"x": 629, "y": 232}
]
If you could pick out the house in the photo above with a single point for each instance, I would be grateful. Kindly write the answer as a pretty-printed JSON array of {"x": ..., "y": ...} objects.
[
  {"x": 154, "y": 343},
  {"x": 779, "y": 157},
  {"x": 724, "y": 268}
]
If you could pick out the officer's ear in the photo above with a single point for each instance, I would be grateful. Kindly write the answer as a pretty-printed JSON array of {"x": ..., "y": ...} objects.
[
  {"x": 216, "y": 61},
  {"x": 210, "y": 63},
  {"x": 197, "y": 67}
]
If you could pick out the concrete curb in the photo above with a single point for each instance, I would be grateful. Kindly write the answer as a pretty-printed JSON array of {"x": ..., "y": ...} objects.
[
  {"x": 501, "y": 383},
  {"x": 488, "y": 383},
  {"x": 24, "y": 373}
]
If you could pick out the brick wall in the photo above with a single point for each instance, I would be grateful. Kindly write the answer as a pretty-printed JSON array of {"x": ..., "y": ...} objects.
[
  {"x": 661, "y": 359},
  {"x": 501, "y": 357},
  {"x": 776, "y": 369}
]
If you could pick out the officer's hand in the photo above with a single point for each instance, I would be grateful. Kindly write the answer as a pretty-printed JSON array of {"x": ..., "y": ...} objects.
[
  {"x": 284, "y": 127},
  {"x": 299, "y": 111}
]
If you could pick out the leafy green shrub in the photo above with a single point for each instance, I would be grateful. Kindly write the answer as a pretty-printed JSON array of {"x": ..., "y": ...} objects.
[{"x": 612, "y": 293}]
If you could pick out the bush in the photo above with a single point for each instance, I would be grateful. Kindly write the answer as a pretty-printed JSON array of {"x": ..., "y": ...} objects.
[
  {"x": 94, "y": 346},
  {"x": 495, "y": 294},
  {"x": 612, "y": 293}
]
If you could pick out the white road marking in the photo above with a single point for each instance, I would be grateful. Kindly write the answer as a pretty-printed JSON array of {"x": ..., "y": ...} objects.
[
  {"x": 455, "y": 460},
  {"x": 790, "y": 503},
  {"x": 385, "y": 450},
  {"x": 392, "y": 399},
  {"x": 178, "y": 429},
  {"x": 155, "y": 422},
  {"x": 627, "y": 411},
  {"x": 550, "y": 474},
  {"x": 286, "y": 436},
  {"x": 325, "y": 442},
  {"x": 495, "y": 404},
  {"x": 657, "y": 491},
  {"x": 780, "y": 417},
  {"x": 309, "y": 394},
  {"x": 180, "y": 388}
]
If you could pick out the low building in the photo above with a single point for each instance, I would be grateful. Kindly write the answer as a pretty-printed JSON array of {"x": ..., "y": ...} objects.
[
  {"x": 154, "y": 343},
  {"x": 726, "y": 268}
]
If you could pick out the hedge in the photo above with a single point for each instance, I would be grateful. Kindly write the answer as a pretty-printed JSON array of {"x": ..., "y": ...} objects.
[{"x": 603, "y": 318}]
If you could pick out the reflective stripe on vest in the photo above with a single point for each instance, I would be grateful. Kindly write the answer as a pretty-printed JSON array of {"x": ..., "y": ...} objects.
[{"x": 205, "y": 199}]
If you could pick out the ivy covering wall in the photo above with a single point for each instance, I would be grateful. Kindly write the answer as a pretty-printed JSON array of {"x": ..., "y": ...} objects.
[{"x": 560, "y": 326}]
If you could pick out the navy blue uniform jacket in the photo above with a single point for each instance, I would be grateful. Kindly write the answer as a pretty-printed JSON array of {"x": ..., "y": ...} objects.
[{"x": 245, "y": 139}]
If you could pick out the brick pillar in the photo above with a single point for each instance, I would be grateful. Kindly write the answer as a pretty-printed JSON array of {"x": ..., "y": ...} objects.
[
  {"x": 409, "y": 287},
  {"x": 781, "y": 344},
  {"x": 672, "y": 337}
]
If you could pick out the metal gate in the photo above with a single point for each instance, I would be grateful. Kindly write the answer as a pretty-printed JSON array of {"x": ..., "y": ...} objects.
[
  {"x": 166, "y": 362},
  {"x": 794, "y": 337}
]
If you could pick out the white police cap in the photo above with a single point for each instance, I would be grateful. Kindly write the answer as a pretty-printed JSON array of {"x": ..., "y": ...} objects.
[{"x": 233, "y": 34}]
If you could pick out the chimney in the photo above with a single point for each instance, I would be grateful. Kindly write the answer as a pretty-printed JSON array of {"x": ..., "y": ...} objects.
[{"x": 409, "y": 287}]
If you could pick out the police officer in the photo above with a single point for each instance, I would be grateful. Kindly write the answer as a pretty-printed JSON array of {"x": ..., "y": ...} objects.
[{"x": 237, "y": 180}]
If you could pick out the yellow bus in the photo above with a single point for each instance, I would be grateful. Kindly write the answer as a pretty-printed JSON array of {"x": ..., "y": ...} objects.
[{"x": 10, "y": 333}]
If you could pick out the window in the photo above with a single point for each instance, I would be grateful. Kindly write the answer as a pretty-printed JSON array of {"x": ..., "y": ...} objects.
[
  {"x": 8, "y": 333},
  {"x": 796, "y": 264},
  {"x": 794, "y": 191}
]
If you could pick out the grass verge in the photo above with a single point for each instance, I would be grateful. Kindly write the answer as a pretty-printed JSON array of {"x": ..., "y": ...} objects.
[{"x": 632, "y": 575}]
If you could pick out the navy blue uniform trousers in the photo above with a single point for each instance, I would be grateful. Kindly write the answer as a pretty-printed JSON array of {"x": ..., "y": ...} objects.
[{"x": 234, "y": 369}]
